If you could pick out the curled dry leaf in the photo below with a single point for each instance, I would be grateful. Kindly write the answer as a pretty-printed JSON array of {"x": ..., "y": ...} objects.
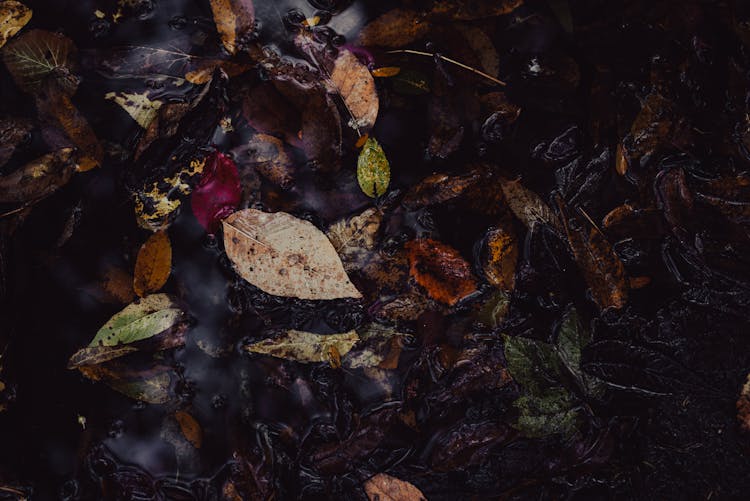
[
  {"x": 743, "y": 406},
  {"x": 285, "y": 256},
  {"x": 306, "y": 346},
  {"x": 384, "y": 487},
  {"x": 235, "y": 20},
  {"x": 149, "y": 317},
  {"x": 13, "y": 16},
  {"x": 528, "y": 207},
  {"x": 34, "y": 54},
  {"x": 440, "y": 270},
  {"x": 142, "y": 109},
  {"x": 354, "y": 83},
  {"x": 153, "y": 264},
  {"x": 39, "y": 178},
  {"x": 219, "y": 192},
  {"x": 373, "y": 169},
  {"x": 501, "y": 254},
  {"x": 355, "y": 238},
  {"x": 190, "y": 428},
  {"x": 394, "y": 29}
]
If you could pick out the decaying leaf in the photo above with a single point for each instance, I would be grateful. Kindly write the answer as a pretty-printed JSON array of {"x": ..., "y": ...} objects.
[
  {"x": 373, "y": 169},
  {"x": 204, "y": 69},
  {"x": 379, "y": 347},
  {"x": 356, "y": 86},
  {"x": 394, "y": 29},
  {"x": 285, "y": 256},
  {"x": 321, "y": 133},
  {"x": 355, "y": 238},
  {"x": 151, "y": 385},
  {"x": 440, "y": 188},
  {"x": 495, "y": 309},
  {"x": 142, "y": 109},
  {"x": 13, "y": 16},
  {"x": 483, "y": 47},
  {"x": 468, "y": 10},
  {"x": 235, "y": 20},
  {"x": 743, "y": 406},
  {"x": 190, "y": 428},
  {"x": 153, "y": 264},
  {"x": 528, "y": 207},
  {"x": 218, "y": 193},
  {"x": 13, "y": 132},
  {"x": 440, "y": 270},
  {"x": 34, "y": 54},
  {"x": 149, "y": 317},
  {"x": 269, "y": 157},
  {"x": 411, "y": 83},
  {"x": 384, "y": 487},
  {"x": 305, "y": 346},
  {"x": 39, "y": 178},
  {"x": 117, "y": 285},
  {"x": 499, "y": 264},
  {"x": 549, "y": 412}
]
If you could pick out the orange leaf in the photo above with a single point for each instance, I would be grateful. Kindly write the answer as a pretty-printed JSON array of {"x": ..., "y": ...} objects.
[
  {"x": 190, "y": 428},
  {"x": 118, "y": 285},
  {"x": 502, "y": 254},
  {"x": 386, "y": 71},
  {"x": 153, "y": 265},
  {"x": 441, "y": 270},
  {"x": 384, "y": 487}
]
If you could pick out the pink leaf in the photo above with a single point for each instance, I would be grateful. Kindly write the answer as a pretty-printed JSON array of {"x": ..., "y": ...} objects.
[{"x": 218, "y": 194}]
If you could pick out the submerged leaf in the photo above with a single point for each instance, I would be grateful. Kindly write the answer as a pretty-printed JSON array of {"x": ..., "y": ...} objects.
[
  {"x": 35, "y": 54},
  {"x": 153, "y": 265},
  {"x": 138, "y": 106},
  {"x": 394, "y": 29},
  {"x": 13, "y": 133},
  {"x": 373, "y": 169},
  {"x": 305, "y": 346},
  {"x": 285, "y": 256},
  {"x": 384, "y": 487},
  {"x": 151, "y": 385},
  {"x": 13, "y": 16},
  {"x": 545, "y": 414},
  {"x": 528, "y": 207},
  {"x": 356, "y": 86},
  {"x": 743, "y": 406},
  {"x": 355, "y": 237},
  {"x": 441, "y": 270},
  {"x": 499, "y": 265},
  {"x": 39, "y": 178},
  {"x": 235, "y": 20},
  {"x": 269, "y": 157},
  {"x": 190, "y": 428}
]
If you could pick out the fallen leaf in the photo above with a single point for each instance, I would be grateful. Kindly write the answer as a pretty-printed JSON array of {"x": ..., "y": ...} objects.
[
  {"x": 384, "y": 487},
  {"x": 411, "y": 83},
  {"x": 394, "y": 29},
  {"x": 373, "y": 169},
  {"x": 440, "y": 188},
  {"x": 190, "y": 428},
  {"x": 528, "y": 207},
  {"x": 495, "y": 309},
  {"x": 305, "y": 346},
  {"x": 151, "y": 385},
  {"x": 285, "y": 256},
  {"x": 204, "y": 69},
  {"x": 380, "y": 348},
  {"x": 355, "y": 238},
  {"x": 550, "y": 412},
  {"x": 153, "y": 264},
  {"x": 38, "y": 178},
  {"x": 33, "y": 55},
  {"x": 269, "y": 157},
  {"x": 440, "y": 270},
  {"x": 13, "y": 16},
  {"x": 13, "y": 132},
  {"x": 142, "y": 109},
  {"x": 386, "y": 71},
  {"x": 485, "y": 50},
  {"x": 218, "y": 193},
  {"x": 117, "y": 285},
  {"x": 501, "y": 254},
  {"x": 321, "y": 133},
  {"x": 268, "y": 112},
  {"x": 354, "y": 83},
  {"x": 408, "y": 307},
  {"x": 743, "y": 406},
  {"x": 235, "y": 20},
  {"x": 470, "y": 10},
  {"x": 163, "y": 125}
]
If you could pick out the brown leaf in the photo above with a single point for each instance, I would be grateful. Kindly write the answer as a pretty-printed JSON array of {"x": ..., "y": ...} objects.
[
  {"x": 384, "y": 487},
  {"x": 203, "y": 70},
  {"x": 394, "y": 29},
  {"x": 440, "y": 188},
  {"x": 35, "y": 54},
  {"x": 269, "y": 157},
  {"x": 469, "y": 10},
  {"x": 306, "y": 346},
  {"x": 268, "y": 112},
  {"x": 38, "y": 178},
  {"x": 234, "y": 19},
  {"x": 407, "y": 307},
  {"x": 528, "y": 207},
  {"x": 13, "y": 16},
  {"x": 601, "y": 266},
  {"x": 743, "y": 406},
  {"x": 13, "y": 132},
  {"x": 151, "y": 385},
  {"x": 483, "y": 47},
  {"x": 153, "y": 264},
  {"x": 499, "y": 264},
  {"x": 356, "y": 86},
  {"x": 117, "y": 285},
  {"x": 657, "y": 126},
  {"x": 355, "y": 238},
  {"x": 285, "y": 256},
  {"x": 441, "y": 270},
  {"x": 190, "y": 428}
]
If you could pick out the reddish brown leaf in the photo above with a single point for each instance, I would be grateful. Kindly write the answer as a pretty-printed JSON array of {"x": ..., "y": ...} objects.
[
  {"x": 440, "y": 270},
  {"x": 190, "y": 428}
]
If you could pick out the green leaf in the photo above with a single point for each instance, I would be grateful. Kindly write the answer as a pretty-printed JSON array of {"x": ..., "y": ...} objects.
[
  {"x": 306, "y": 346},
  {"x": 571, "y": 340},
  {"x": 533, "y": 364},
  {"x": 373, "y": 170},
  {"x": 548, "y": 413}
]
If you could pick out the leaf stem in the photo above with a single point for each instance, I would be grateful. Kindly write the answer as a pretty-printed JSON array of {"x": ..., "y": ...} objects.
[{"x": 449, "y": 60}]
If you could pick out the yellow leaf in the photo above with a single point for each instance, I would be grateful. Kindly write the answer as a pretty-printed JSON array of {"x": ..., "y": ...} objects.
[
  {"x": 13, "y": 16},
  {"x": 138, "y": 106},
  {"x": 153, "y": 265}
]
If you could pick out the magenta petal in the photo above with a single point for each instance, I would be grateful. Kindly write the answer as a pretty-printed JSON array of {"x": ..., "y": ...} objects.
[{"x": 219, "y": 192}]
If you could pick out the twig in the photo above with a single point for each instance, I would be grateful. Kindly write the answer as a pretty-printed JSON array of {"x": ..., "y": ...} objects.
[{"x": 449, "y": 60}]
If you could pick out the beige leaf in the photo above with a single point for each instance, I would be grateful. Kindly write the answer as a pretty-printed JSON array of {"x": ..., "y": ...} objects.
[
  {"x": 13, "y": 16},
  {"x": 139, "y": 106},
  {"x": 528, "y": 207},
  {"x": 355, "y": 84},
  {"x": 355, "y": 237},
  {"x": 384, "y": 487},
  {"x": 306, "y": 346},
  {"x": 285, "y": 256}
]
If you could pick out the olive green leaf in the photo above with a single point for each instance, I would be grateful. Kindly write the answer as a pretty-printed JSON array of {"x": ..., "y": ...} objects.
[
  {"x": 373, "y": 170},
  {"x": 306, "y": 346},
  {"x": 550, "y": 412}
]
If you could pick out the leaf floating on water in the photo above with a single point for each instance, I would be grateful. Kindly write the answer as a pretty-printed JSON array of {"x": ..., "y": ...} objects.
[
  {"x": 373, "y": 169},
  {"x": 305, "y": 346},
  {"x": 138, "y": 106},
  {"x": 355, "y": 237},
  {"x": 356, "y": 86},
  {"x": 394, "y": 29},
  {"x": 35, "y": 54},
  {"x": 204, "y": 70},
  {"x": 285, "y": 256},
  {"x": 441, "y": 270},
  {"x": 153, "y": 265},
  {"x": 386, "y": 72},
  {"x": 235, "y": 20},
  {"x": 39, "y": 178},
  {"x": 116, "y": 286},
  {"x": 384, "y": 487},
  {"x": 13, "y": 16},
  {"x": 219, "y": 192}
]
